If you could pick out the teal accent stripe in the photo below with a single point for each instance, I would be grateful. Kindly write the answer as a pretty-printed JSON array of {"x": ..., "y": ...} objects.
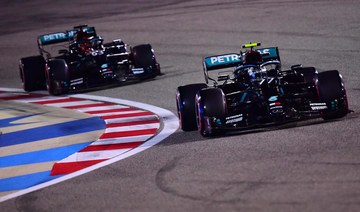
[{"x": 243, "y": 97}]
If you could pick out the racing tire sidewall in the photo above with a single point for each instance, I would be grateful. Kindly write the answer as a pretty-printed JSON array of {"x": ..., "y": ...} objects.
[
  {"x": 185, "y": 102},
  {"x": 143, "y": 56},
  {"x": 210, "y": 104},
  {"x": 57, "y": 77},
  {"x": 331, "y": 90}
]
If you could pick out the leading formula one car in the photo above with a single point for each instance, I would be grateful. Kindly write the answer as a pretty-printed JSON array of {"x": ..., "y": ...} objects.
[
  {"x": 257, "y": 92},
  {"x": 78, "y": 58}
]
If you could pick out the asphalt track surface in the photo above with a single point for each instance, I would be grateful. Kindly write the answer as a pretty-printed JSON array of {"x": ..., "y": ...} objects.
[{"x": 314, "y": 166}]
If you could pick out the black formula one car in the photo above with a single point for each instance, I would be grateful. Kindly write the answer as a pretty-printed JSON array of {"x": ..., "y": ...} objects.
[
  {"x": 258, "y": 93},
  {"x": 78, "y": 58}
]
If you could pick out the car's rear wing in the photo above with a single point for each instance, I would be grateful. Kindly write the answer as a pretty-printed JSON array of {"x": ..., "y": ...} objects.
[
  {"x": 59, "y": 37},
  {"x": 233, "y": 59}
]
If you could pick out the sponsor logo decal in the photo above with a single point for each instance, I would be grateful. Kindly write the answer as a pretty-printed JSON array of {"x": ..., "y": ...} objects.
[
  {"x": 138, "y": 70},
  {"x": 276, "y": 108},
  {"x": 264, "y": 51},
  {"x": 222, "y": 59},
  {"x": 234, "y": 119},
  {"x": 54, "y": 36},
  {"x": 273, "y": 98},
  {"x": 318, "y": 106}
]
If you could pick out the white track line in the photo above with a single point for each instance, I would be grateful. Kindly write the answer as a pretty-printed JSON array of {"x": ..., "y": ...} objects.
[
  {"x": 121, "y": 140},
  {"x": 99, "y": 108}
]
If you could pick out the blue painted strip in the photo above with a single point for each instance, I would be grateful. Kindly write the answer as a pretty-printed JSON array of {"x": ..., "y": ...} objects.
[
  {"x": 52, "y": 131},
  {"x": 25, "y": 181},
  {"x": 47, "y": 155}
]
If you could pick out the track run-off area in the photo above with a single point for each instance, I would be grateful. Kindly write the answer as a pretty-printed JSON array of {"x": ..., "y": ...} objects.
[{"x": 43, "y": 143}]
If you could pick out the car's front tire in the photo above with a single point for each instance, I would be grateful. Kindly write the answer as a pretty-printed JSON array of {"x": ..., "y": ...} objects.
[
  {"x": 57, "y": 77},
  {"x": 143, "y": 57},
  {"x": 210, "y": 103},
  {"x": 332, "y": 91},
  {"x": 185, "y": 102}
]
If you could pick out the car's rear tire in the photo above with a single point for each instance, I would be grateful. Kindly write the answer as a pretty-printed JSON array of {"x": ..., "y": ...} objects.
[
  {"x": 210, "y": 103},
  {"x": 57, "y": 77},
  {"x": 185, "y": 102},
  {"x": 143, "y": 57},
  {"x": 32, "y": 73},
  {"x": 332, "y": 91}
]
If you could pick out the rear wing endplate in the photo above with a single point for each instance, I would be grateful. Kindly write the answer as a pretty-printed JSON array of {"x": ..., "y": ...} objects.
[
  {"x": 220, "y": 62},
  {"x": 268, "y": 54}
]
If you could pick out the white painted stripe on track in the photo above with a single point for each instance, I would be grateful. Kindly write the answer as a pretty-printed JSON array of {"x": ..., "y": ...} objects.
[
  {"x": 69, "y": 104},
  {"x": 11, "y": 90},
  {"x": 133, "y": 127},
  {"x": 2, "y": 95},
  {"x": 106, "y": 141},
  {"x": 98, "y": 108},
  {"x": 94, "y": 155},
  {"x": 131, "y": 119},
  {"x": 169, "y": 121},
  {"x": 40, "y": 99},
  {"x": 117, "y": 113}
]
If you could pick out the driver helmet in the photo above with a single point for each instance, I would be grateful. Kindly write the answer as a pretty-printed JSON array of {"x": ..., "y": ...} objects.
[
  {"x": 82, "y": 38},
  {"x": 253, "y": 58}
]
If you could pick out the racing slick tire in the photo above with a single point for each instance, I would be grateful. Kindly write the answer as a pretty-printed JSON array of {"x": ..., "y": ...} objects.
[
  {"x": 210, "y": 103},
  {"x": 143, "y": 57},
  {"x": 32, "y": 73},
  {"x": 309, "y": 73},
  {"x": 185, "y": 102},
  {"x": 57, "y": 77},
  {"x": 332, "y": 91}
]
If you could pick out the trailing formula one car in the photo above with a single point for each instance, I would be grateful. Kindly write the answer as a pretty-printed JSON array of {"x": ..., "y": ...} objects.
[
  {"x": 82, "y": 60},
  {"x": 257, "y": 92}
]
